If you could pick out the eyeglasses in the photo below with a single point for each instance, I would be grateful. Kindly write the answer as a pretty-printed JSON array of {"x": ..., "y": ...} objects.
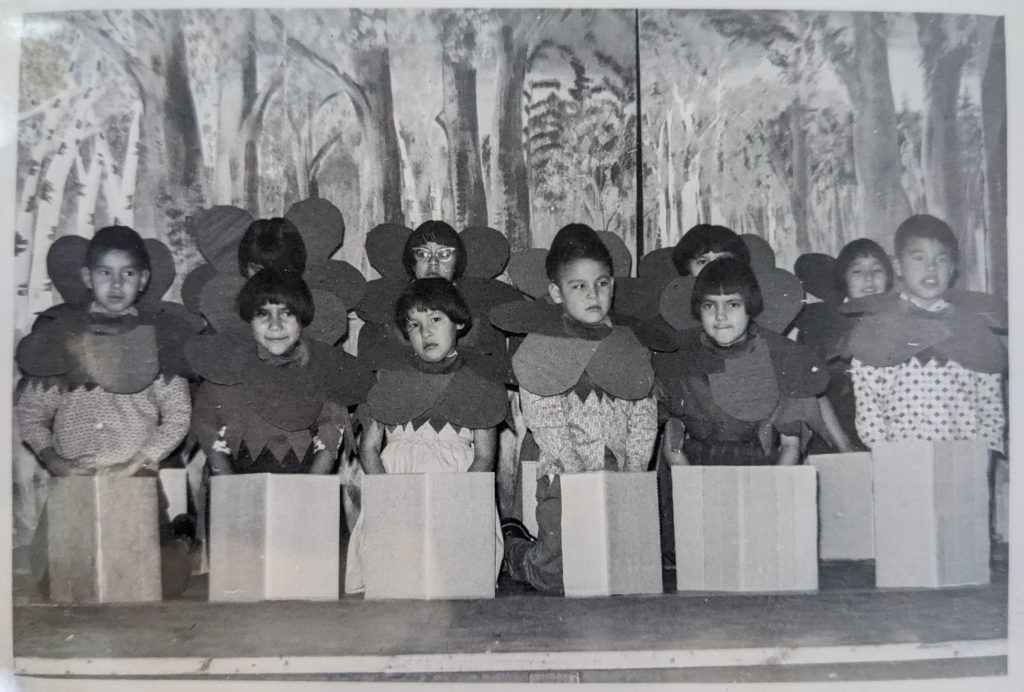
[{"x": 442, "y": 255}]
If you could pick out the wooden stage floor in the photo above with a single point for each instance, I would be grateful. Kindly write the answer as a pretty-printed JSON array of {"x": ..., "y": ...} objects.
[{"x": 847, "y": 631}]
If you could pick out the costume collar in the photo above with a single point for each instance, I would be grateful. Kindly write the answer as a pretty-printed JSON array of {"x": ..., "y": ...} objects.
[
  {"x": 588, "y": 332},
  {"x": 98, "y": 310},
  {"x": 726, "y": 351},
  {"x": 940, "y": 305},
  {"x": 452, "y": 362},
  {"x": 297, "y": 356}
]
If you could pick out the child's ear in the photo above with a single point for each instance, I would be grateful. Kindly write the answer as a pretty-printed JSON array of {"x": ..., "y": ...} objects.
[
  {"x": 87, "y": 277},
  {"x": 144, "y": 280},
  {"x": 897, "y": 267},
  {"x": 554, "y": 292}
]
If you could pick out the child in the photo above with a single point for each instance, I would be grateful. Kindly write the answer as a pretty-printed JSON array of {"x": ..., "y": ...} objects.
[
  {"x": 744, "y": 395},
  {"x": 276, "y": 403},
  {"x": 434, "y": 249},
  {"x": 103, "y": 391},
  {"x": 704, "y": 243},
  {"x": 271, "y": 244},
  {"x": 861, "y": 269},
  {"x": 926, "y": 361},
  {"x": 432, "y": 414},
  {"x": 585, "y": 384}
]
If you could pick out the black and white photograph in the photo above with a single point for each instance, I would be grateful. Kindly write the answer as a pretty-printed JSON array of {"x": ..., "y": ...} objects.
[{"x": 508, "y": 345}]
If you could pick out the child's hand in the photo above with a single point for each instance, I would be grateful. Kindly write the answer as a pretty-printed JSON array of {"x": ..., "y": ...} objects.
[
  {"x": 136, "y": 463},
  {"x": 672, "y": 443},
  {"x": 61, "y": 466}
]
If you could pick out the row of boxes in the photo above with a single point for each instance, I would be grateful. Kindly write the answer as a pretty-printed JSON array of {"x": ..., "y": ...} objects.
[{"x": 920, "y": 510}]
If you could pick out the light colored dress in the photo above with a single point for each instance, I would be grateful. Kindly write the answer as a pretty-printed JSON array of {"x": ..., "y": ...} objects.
[{"x": 418, "y": 448}]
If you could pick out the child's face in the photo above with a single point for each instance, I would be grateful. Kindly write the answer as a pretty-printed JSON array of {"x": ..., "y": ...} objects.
[
  {"x": 116, "y": 280},
  {"x": 724, "y": 318},
  {"x": 927, "y": 268},
  {"x": 695, "y": 265},
  {"x": 865, "y": 277},
  {"x": 432, "y": 334},
  {"x": 276, "y": 328},
  {"x": 434, "y": 259},
  {"x": 584, "y": 290}
]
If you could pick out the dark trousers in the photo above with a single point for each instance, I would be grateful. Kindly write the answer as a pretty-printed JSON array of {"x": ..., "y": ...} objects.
[{"x": 540, "y": 563}]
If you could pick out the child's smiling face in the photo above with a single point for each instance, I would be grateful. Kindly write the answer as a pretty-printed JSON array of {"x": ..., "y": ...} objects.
[
  {"x": 927, "y": 268},
  {"x": 432, "y": 333},
  {"x": 276, "y": 328},
  {"x": 865, "y": 276},
  {"x": 584, "y": 290},
  {"x": 116, "y": 280},
  {"x": 724, "y": 318}
]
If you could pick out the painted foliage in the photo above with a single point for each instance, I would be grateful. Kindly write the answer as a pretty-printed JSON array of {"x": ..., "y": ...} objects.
[
  {"x": 519, "y": 119},
  {"x": 815, "y": 128}
]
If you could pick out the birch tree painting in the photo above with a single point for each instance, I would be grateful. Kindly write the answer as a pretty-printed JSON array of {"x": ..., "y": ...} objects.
[
  {"x": 519, "y": 119},
  {"x": 813, "y": 128}
]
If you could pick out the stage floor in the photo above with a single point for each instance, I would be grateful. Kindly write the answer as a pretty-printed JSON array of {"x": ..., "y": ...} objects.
[{"x": 847, "y": 631}]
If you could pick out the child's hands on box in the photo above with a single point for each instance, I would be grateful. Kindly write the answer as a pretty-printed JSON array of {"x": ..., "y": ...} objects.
[{"x": 60, "y": 466}]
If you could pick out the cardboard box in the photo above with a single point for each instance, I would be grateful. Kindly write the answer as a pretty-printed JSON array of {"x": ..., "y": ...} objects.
[
  {"x": 529, "y": 483},
  {"x": 745, "y": 528},
  {"x": 174, "y": 483},
  {"x": 610, "y": 534},
  {"x": 931, "y": 514},
  {"x": 846, "y": 506},
  {"x": 104, "y": 544},
  {"x": 429, "y": 535},
  {"x": 274, "y": 537}
]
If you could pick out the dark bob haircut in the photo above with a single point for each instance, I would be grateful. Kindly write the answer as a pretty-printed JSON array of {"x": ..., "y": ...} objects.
[
  {"x": 120, "y": 238},
  {"x": 724, "y": 276},
  {"x": 434, "y": 232},
  {"x": 272, "y": 244},
  {"x": 575, "y": 241},
  {"x": 926, "y": 226},
  {"x": 433, "y": 293},
  {"x": 854, "y": 250},
  {"x": 704, "y": 238},
  {"x": 271, "y": 287}
]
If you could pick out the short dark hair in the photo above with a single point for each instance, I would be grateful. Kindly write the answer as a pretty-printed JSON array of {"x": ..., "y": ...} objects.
[
  {"x": 269, "y": 286},
  {"x": 120, "y": 238},
  {"x": 272, "y": 244},
  {"x": 854, "y": 250},
  {"x": 704, "y": 238},
  {"x": 723, "y": 276},
  {"x": 433, "y": 293},
  {"x": 434, "y": 232},
  {"x": 573, "y": 242},
  {"x": 926, "y": 226}
]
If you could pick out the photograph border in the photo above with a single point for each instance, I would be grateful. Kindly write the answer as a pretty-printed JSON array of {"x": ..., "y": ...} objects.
[{"x": 10, "y": 25}]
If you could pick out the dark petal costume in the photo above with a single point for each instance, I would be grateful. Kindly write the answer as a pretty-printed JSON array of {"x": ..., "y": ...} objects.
[
  {"x": 735, "y": 401},
  {"x": 268, "y": 411},
  {"x": 381, "y": 344}
]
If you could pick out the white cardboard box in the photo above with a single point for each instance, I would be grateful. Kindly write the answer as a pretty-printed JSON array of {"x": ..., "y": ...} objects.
[
  {"x": 104, "y": 544},
  {"x": 274, "y": 537},
  {"x": 846, "y": 506},
  {"x": 745, "y": 528},
  {"x": 931, "y": 514},
  {"x": 429, "y": 535},
  {"x": 610, "y": 533}
]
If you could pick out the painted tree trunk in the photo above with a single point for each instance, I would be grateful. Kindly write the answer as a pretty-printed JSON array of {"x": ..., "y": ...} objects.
[
  {"x": 89, "y": 179},
  {"x": 943, "y": 168},
  {"x": 374, "y": 74},
  {"x": 510, "y": 194},
  {"x": 993, "y": 120},
  {"x": 876, "y": 152},
  {"x": 799, "y": 195},
  {"x": 464, "y": 169}
]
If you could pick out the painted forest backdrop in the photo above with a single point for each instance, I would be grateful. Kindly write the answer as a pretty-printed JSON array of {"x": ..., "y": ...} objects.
[{"x": 808, "y": 128}]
